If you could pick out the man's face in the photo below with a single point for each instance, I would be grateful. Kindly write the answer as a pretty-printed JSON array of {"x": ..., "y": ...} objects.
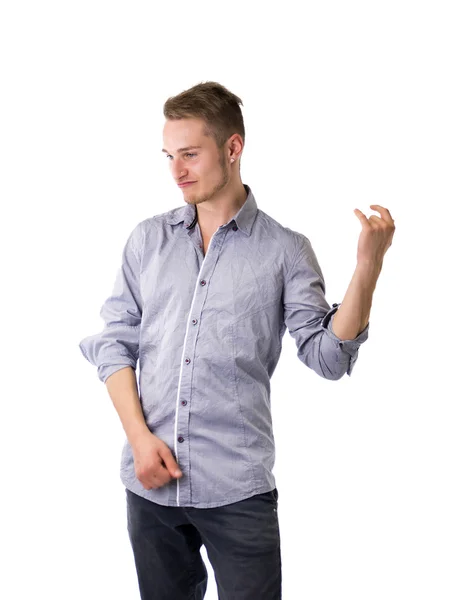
[{"x": 203, "y": 165}]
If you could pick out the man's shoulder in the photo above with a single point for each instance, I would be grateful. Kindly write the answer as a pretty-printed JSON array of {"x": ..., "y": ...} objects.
[
  {"x": 160, "y": 219},
  {"x": 283, "y": 232}
]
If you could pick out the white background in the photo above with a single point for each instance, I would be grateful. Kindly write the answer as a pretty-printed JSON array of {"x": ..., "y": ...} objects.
[{"x": 346, "y": 104}]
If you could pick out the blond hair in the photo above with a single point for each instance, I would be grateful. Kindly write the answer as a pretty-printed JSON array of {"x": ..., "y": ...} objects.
[{"x": 215, "y": 104}]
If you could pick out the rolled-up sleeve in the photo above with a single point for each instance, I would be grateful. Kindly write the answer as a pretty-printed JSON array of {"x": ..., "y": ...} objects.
[
  {"x": 309, "y": 317},
  {"x": 117, "y": 345}
]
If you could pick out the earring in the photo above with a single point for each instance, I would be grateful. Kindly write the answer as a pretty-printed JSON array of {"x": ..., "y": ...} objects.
[{"x": 232, "y": 160}]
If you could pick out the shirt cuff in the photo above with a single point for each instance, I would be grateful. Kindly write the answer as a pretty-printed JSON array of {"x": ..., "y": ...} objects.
[
  {"x": 351, "y": 347},
  {"x": 105, "y": 370}
]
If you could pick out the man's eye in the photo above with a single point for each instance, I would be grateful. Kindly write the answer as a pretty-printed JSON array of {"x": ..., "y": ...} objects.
[{"x": 187, "y": 154}]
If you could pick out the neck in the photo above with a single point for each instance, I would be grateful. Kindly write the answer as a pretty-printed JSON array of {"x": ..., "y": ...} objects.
[{"x": 221, "y": 208}]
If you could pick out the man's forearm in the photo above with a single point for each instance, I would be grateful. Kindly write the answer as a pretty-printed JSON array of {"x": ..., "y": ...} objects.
[
  {"x": 123, "y": 391},
  {"x": 352, "y": 316}
]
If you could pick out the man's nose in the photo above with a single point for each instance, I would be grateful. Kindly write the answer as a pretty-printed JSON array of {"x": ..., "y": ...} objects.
[{"x": 178, "y": 169}]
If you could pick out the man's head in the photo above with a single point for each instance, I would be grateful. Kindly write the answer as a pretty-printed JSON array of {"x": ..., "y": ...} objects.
[{"x": 209, "y": 117}]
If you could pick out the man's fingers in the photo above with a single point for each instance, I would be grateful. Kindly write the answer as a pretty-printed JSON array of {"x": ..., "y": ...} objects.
[{"x": 384, "y": 212}]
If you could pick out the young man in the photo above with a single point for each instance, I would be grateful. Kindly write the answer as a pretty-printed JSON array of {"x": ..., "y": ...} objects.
[{"x": 203, "y": 297}]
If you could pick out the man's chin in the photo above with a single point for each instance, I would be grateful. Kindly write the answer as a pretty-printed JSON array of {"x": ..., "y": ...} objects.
[{"x": 191, "y": 200}]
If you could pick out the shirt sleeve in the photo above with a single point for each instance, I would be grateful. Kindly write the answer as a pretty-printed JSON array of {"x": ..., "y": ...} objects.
[
  {"x": 117, "y": 345},
  {"x": 309, "y": 318}
]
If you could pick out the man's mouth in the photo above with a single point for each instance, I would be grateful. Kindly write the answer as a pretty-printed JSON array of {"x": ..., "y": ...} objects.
[{"x": 181, "y": 185}]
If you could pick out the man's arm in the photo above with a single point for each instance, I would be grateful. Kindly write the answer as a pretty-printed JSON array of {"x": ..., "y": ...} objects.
[
  {"x": 308, "y": 317},
  {"x": 117, "y": 345},
  {"x": 154, "y": 462},
  {"x": 353, "y": 313},
  {"x": 376, "y": 237},
  {"x": 123, "y": 390}
]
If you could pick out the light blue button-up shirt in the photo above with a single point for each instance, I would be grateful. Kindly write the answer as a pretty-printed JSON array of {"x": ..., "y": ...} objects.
[{"x": 207, "y": 330}]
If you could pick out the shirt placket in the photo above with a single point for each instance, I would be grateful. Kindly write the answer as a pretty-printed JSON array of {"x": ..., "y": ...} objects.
[{"x": 185, "y": 391}]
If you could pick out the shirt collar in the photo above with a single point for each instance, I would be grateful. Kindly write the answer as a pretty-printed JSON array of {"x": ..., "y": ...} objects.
[{"x": 244, "y": 218}]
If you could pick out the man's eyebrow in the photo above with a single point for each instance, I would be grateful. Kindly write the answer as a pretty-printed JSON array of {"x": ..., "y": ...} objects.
[{"x": 183, "y": 149}]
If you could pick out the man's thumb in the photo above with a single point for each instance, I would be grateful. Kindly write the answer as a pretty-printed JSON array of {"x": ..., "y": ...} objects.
[{"x": 171, "y": 464}]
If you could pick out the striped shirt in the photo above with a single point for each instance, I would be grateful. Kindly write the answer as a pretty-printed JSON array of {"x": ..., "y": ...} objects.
[{"x": 207, "y": 331}]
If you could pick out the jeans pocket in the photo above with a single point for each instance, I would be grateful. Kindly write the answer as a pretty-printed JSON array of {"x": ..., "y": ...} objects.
[{"x": 275, "y": 494}]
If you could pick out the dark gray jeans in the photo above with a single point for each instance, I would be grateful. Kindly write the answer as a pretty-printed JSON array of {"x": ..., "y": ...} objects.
[{"x": 242, "y": 542}]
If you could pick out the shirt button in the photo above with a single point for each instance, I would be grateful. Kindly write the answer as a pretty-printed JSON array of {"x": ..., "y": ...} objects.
[
  {"x": 334, "y": 305},
  {"x": 235, "y": 228},
  {"x": 184, "y": 402},
  {"x": 203, "y": 282},
  {"x": 187, "y": 360},
  {"x": 180, "y": 439},
  {"x": 194, "y": 321}
]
